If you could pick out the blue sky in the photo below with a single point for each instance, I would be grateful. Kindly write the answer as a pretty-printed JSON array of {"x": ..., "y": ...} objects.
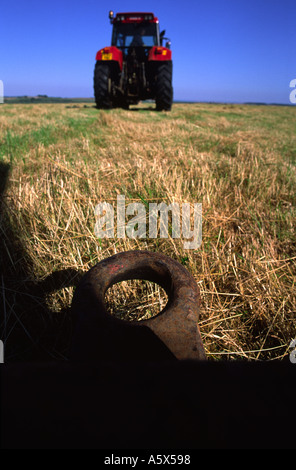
[{"x": 225, "y": 51}]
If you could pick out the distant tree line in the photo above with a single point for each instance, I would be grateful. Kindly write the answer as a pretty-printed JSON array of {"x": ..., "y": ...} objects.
[{"x": 44, "y": 99}]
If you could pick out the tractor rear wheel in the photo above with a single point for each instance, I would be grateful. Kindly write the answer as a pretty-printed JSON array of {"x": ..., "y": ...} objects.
[
  {"x": 163, "y": 86},
  {"x": 102, "y": 86}
]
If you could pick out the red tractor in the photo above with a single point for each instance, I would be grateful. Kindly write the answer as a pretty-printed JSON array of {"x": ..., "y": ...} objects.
[{"x": 136, "y": 66}]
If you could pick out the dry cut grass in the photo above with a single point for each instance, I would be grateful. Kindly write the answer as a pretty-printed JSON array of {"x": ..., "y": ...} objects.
[{"x": 58, "y": 162}]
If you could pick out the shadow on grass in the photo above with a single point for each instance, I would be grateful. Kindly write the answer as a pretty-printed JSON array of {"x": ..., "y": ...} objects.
[
  {"x": 142, "y": 108},
  {"x": 28, "y": 328},
  {"x": 151, "y": 108},
  {"x": 81, "y": 107}
]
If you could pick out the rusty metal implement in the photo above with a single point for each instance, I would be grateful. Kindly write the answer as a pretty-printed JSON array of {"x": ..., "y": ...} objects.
[{"x": 172, "y": 334}]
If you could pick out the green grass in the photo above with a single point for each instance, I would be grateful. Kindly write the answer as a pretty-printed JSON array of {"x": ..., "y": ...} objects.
[{"x": 58, "y": 161}]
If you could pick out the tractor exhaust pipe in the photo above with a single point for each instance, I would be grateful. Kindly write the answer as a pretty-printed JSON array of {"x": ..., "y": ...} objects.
[{"x": 171, "y": 335}]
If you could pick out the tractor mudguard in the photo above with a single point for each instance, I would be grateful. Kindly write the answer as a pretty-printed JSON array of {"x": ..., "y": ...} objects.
[
  {"x": 159, "y": 53},
  {"x": 110, "y": 54}
]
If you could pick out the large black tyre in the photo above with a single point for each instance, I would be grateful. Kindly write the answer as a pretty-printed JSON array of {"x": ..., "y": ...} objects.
[
  {"x": 163, "y": 86},
  {"x": 102, "y": 85}
]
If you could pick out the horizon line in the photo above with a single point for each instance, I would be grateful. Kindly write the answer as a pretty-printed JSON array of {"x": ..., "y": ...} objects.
[{"x": 45, "y": 97}]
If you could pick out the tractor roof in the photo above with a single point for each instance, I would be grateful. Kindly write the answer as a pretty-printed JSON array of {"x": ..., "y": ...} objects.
[{"x": 135, "y": 18}]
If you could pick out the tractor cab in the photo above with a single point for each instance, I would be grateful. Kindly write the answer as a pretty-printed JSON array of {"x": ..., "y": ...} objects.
[{"x": 135, "y": 30}]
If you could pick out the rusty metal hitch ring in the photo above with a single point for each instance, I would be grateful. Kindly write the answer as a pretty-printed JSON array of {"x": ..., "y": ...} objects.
[{"x": 176, "y": 326}]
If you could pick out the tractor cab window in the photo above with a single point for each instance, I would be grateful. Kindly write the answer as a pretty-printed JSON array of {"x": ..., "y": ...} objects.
[{"x": 127, "y": 35}]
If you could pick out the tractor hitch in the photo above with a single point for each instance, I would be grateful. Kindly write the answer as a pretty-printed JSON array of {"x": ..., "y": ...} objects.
[{"x": 171, "y": 335}]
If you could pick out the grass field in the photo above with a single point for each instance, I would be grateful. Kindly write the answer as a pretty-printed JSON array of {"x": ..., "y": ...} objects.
[{"x": 58, "y": 161}]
